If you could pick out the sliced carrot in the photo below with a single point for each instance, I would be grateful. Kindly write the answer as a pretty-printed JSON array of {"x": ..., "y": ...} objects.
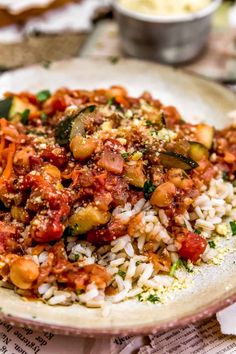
[{"x": 8, "y": 169}]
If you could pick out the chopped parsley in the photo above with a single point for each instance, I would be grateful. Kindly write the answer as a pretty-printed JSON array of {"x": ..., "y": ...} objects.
[
  {"x": 34, "y": 317},
  {"x": 125, "y": 156},
  {"x": 42, "y": 96},
  {"x": 44, "y": 117},
  {"x": 197, "y": 231},
  {"x": 138, "y": 262},
  {"x": 46, "y": 64},
  {"x": 111, "y": 101},
  {"x": 76, "y": 256},
  {"x": 139, "y": 297},
  {"x": 180, "y": 263},
  {"x": 149, "y": 123},
  {"x": 233, "y": 227},
  {"x": 114, "y": 60},
  {"x": 154, "y": 133},
  {"x": 174, "y": 267},
  {"x": 225, "y": 176},
  {"x": 25, "y": 116},
  {"x": 186, "y": 266},
  {"x": 212, "y": 244},
  {"x": 153, "y": 298},
  {"x": 148, "y": 188},
  {"x": 122, "y": 274}
]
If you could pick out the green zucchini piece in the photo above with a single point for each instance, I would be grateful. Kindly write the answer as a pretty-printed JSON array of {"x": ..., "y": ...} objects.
[
  {"x": 78, "y": 125},
  {"x": 172, "y": 159},
  {"x": 18, "y": 106},
  {"x": 73, "y": 126},
  {"x": 197, "y": 151},
  {"x": 5, "y": 106},
  {"x": 63, "y": 130},
  {"x": 205, "y": 135}
]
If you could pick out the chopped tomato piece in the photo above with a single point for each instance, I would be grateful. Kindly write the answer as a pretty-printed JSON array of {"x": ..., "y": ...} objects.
[
  {"x": 46, "y": 228},
  {"x": 57, "y": 155},
  {"x": 192, "y": 247},
  {"x": 112, "y": 162},
  {"x": 104, "y": 235}
]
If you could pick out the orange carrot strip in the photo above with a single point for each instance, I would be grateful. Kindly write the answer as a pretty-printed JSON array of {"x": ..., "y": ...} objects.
[{"x": 8, "y": 169}]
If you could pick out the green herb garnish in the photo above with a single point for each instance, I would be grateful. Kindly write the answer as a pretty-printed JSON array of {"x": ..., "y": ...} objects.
[
  {"x": 111, "y": 101},
  {"x": 76, "y": 257},
  {"x": 225, "y": 176},
  {"x": 139, "y": 297},
  {"x": 44, "y": 117},
  {"x": 25, "y": 116},
  {"x": 148, "y": 188},
  {"x": 42, "y": 96},
  {"x": 180, "y": 263},
  {"x": 114, "y": 60},
  {"x": 186, "y": 266},
  {"x": 175, "y": 266},
  {"x": 212, "y": 244},
  {"x": 121, "y": 274},
  {"x": 149, "y": 123},
  {"x": 153, "y": 299},
  {"x": 125, "y": 156},
  {"x": 233, "y": 227},
  {"x": 197, "y": 231},
  {"x": 46, "y": 64}
]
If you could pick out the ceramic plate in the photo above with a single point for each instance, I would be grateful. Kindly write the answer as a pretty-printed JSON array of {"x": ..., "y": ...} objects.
[{"x": 213, "y": 287}]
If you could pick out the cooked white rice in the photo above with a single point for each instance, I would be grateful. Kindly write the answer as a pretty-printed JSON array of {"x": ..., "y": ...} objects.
[{"x": 132, "y": 274}]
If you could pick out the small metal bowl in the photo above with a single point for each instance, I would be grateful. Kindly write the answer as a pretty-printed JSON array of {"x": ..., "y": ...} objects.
[{"x": 167, "y": 39}]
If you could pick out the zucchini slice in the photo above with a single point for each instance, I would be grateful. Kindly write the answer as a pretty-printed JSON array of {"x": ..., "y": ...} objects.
[
  {"x": 12, "y": 107},
  {"x": 198, "y": 151},
  {"x": 19, "y": 106},
  {"x": 172, "y": 159},
  {"x": 204, "y": 135},
  {"x": 73, "y": 126},
  {"x": 5, "y": 106},
  {"x": 63, "y": 130},
  {"x": 84, "y": 116}
]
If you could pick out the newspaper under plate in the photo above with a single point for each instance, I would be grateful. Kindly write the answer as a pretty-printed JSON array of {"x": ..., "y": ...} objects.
[{"x": 201, "y": 338}]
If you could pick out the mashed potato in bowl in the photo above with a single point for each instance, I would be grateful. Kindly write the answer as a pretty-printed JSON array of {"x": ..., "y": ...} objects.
[{"x": 166, "y": 7}]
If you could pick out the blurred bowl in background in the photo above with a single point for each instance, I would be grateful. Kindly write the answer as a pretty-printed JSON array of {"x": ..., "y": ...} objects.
[{"x": 173, "y": 39}]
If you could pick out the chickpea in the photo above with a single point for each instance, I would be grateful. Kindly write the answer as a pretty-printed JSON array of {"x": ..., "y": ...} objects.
[
  {"x": 163, "y": 195},
  {"x": 177, "y": 177},
  {"x": 19, "y": 213},
  {"x": 115, "y": 91},
  {"x": 23, "y": 272},
  {"x": 82, "y": 148},
  {"x": 52, "y": 171},
  {"x": 22, "y": 156}
]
